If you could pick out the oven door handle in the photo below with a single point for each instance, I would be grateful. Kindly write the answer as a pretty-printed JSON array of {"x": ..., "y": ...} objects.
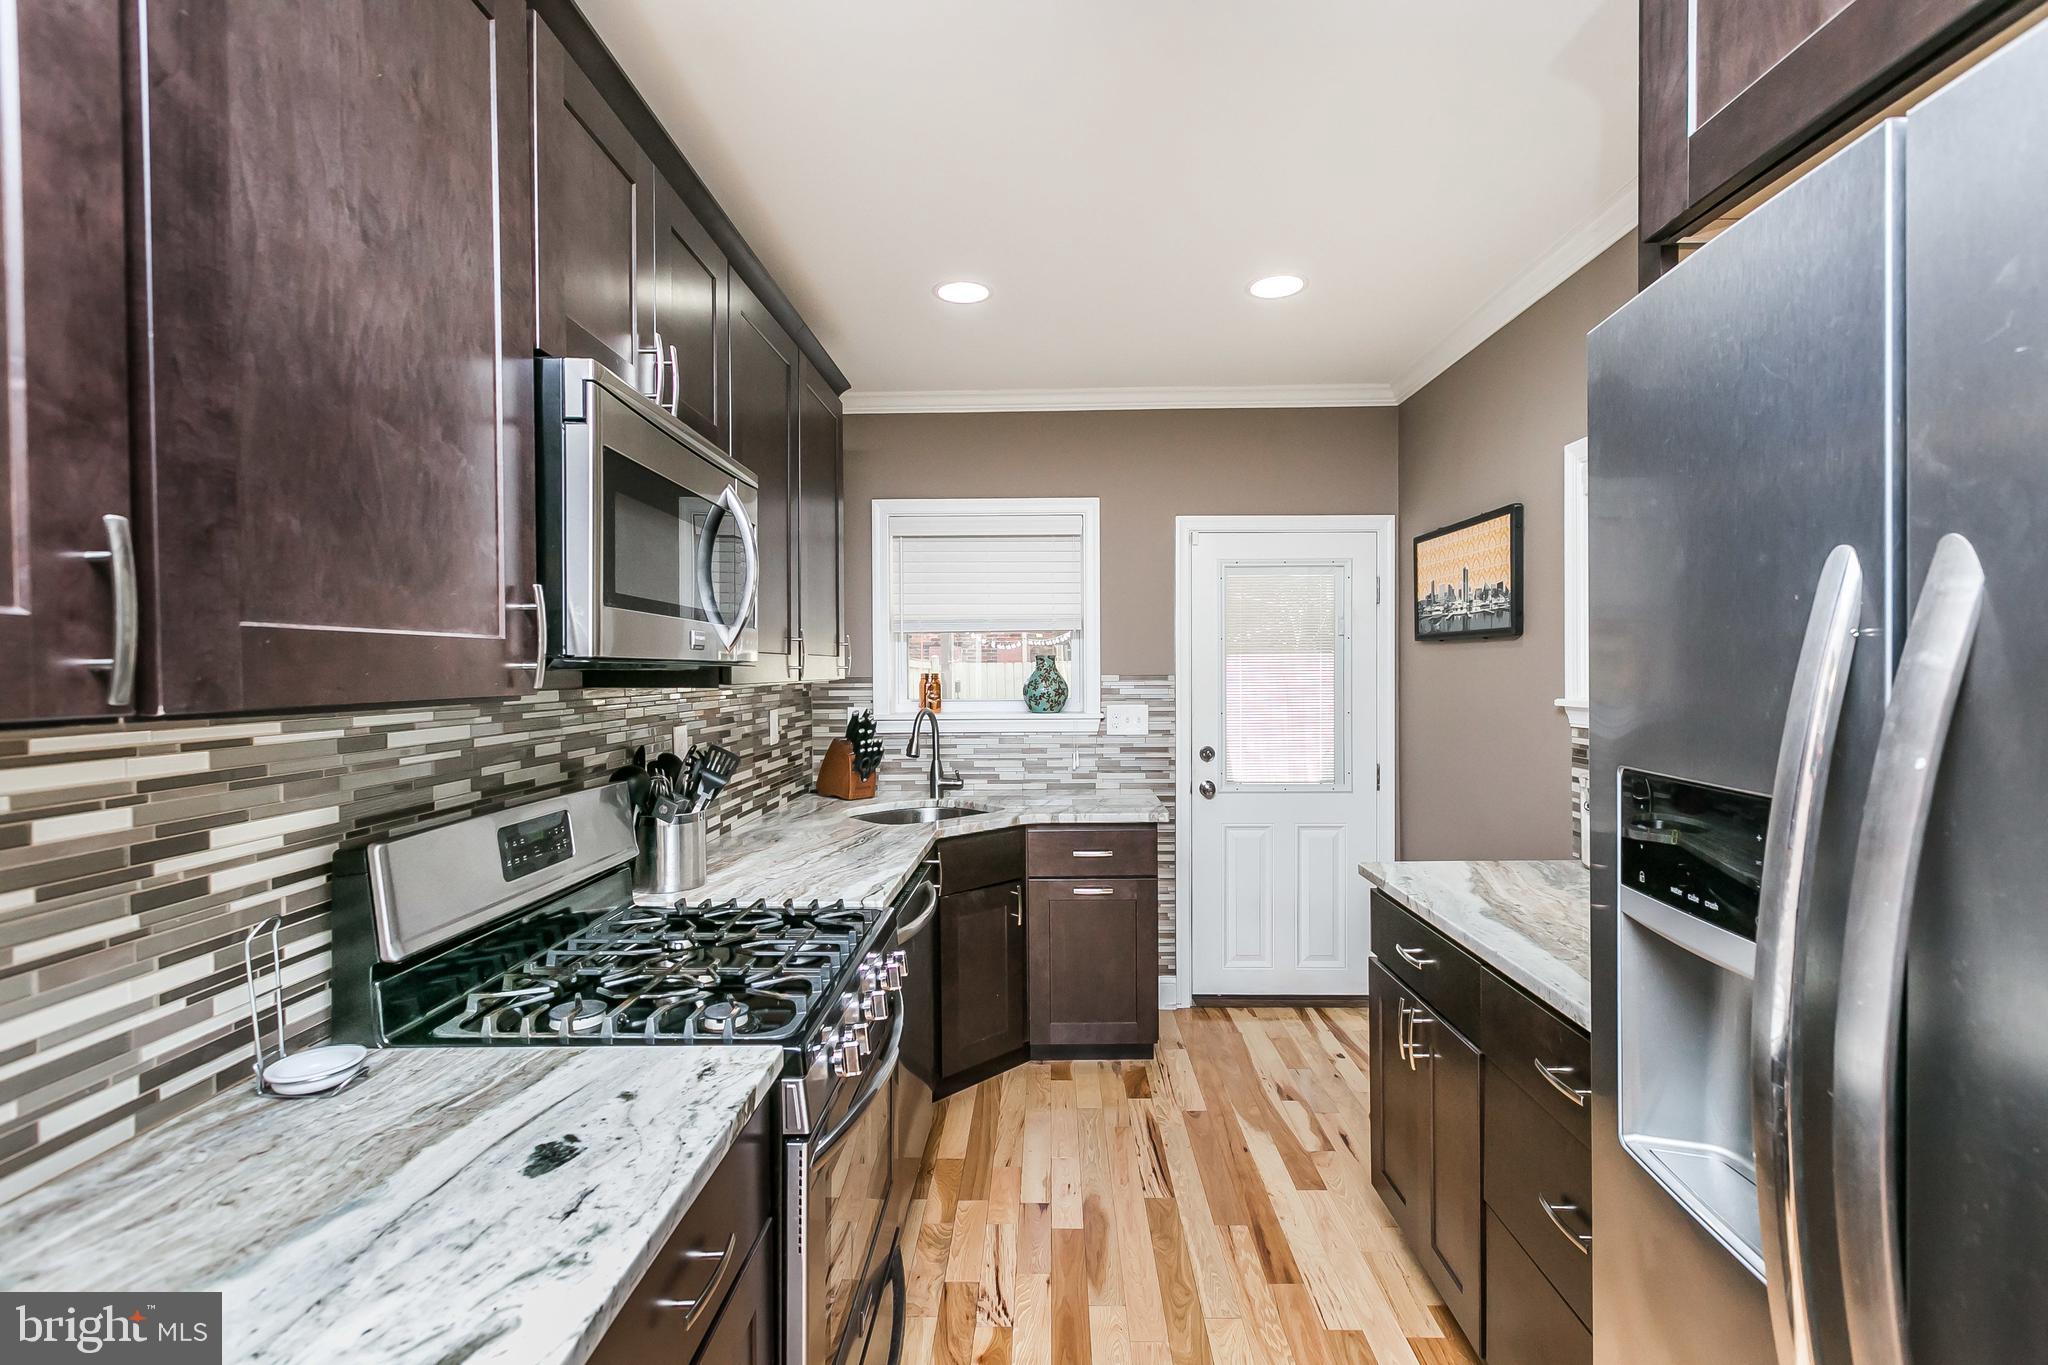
[
  {"x": 878, "y": 1081},
  {"x": 907, "y": 932},
  {"x": 729, "y": 628}
]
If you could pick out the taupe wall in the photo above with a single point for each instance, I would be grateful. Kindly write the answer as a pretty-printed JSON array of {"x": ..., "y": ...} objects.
[
  {"x": 1485, "y": 753},
  {"x": 1147, "y": 467}
]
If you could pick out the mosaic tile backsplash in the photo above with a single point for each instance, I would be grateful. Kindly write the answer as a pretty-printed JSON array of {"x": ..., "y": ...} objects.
[
  {"x": 134, "y": 858},
  {"x": 1031, "y": 763}
]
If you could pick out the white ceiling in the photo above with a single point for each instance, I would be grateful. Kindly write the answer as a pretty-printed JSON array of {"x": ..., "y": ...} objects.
[{"x": 1118, "y": 170}]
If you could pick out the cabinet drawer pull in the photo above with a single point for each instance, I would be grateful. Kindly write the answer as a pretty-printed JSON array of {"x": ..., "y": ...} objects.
[
  {"x": 1095, "y": 891},
  {"x": 1401, "y": 1028},
  {"x": 1093, "y": 853},
  {"x": 1413, "y": 956},
  {"x": 119, "y": 557},
  {"x": 692, "y": 1307},
  {"x": 1017, "y": 914},
  {"x": 539, "y": 608},
  {"x": 1417, "y": 1019},
  {"x": 1582, "y": 1242},
  {"x": 1555, "y": 1075}
]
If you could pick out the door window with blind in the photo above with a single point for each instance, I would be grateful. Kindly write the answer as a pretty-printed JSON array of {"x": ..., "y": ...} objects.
[
  {"x": 981, "y": 591},
  {"x": 1286, "y": 713}
]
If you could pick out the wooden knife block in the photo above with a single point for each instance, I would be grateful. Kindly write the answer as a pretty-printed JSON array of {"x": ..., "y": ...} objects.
[{"x": 836, "y": 778}]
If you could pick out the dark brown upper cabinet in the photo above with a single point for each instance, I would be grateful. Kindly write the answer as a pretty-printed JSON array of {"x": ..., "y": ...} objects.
[
  {"x": 1733, "y": 91},
  {"x": 64, "y": 407},
  {"x": 692, "y": 310},
  {"x": 340, "y": 469},
  {"x": 765, "y": 366},
  {"x": 594, "y": 203},
  {"x": 820, "y": 530}
]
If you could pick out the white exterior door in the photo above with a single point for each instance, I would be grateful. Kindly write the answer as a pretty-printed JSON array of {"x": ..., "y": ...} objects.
[{"x": 1284, "y": 801}]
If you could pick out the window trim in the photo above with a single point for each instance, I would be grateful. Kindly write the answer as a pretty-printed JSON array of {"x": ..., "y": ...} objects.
[
  {"x": 1578, "y": 580},
  {"x": 1084, "y": 704}
]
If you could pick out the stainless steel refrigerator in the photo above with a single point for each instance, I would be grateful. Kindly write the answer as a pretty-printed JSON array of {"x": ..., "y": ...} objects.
[{"x": 1819, "y": 549}]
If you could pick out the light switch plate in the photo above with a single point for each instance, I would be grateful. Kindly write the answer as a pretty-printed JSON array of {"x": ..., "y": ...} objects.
[
  {"x": 1127, "y": 718},
  {"x": 680, "y": 740},
  {"x": 775, "y": 725}
]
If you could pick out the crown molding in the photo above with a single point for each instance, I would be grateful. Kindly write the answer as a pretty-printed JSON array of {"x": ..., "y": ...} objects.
[
  {"x": 1121, "y": 400},
  {"x": 1558, "y": 265}
]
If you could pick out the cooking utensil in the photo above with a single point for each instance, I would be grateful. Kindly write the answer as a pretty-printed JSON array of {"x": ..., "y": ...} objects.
[
  {"x": 672, "y": 768},
  {"x": 636, "y": 776},
  {"x": 715, "y": 766}
]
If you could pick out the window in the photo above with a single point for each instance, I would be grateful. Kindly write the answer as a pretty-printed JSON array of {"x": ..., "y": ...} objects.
[
  {"x": 978, "y": 590},
  {"x": 1578, "y": 583}
]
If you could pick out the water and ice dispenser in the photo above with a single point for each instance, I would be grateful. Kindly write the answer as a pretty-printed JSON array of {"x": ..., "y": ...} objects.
[{"x": 1691, "y": 861}]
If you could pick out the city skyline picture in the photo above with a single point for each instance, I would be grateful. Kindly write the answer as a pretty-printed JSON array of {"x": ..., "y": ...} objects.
[{"x": 1468, "y": 578}]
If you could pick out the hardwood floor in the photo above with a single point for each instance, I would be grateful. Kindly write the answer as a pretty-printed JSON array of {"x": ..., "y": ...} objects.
[{"x": 1211, "y": 1205}]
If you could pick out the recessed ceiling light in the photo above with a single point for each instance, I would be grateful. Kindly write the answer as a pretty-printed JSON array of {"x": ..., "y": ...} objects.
[
  {"x": 962, "y": 291},
  {"x": 1275, "y": 286}
]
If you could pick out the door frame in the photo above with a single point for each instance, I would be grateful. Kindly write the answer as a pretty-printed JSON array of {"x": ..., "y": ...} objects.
[{"x": 1176, "y": 991}]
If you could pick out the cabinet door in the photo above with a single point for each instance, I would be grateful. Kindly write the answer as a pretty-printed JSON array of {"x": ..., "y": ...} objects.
[
  {"x": 1400, "y": 1109},
  {"x": 340, "y": 474},
  {"x": 595, "y": 201},
  {"x": 820, "y": 619},
  {"x": 745, "y": 1331},
  {"x": 1094, "y": 962},
  {"x": 1732, "y": 90},
  {"x": 1456, "y": 1216},
  {"x": 764, "y": 389},
  {"x": 691, "y": 310},
  {"x": 981, "y": 976},
  {"x": 64, "y": 405}
]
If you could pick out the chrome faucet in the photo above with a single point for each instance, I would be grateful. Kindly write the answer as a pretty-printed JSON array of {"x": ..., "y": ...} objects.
[{"x": 939, "y": 781}]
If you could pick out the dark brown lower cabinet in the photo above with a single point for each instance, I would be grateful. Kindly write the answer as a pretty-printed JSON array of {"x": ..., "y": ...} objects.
[
  {"x": 745, "y": 1331},
  {"x": 1427, "y": 1164},
  {"x": 1527, "y": 1322},
  {"x": 1094, "y": 962},
  {"x": 981, "y": 976}
]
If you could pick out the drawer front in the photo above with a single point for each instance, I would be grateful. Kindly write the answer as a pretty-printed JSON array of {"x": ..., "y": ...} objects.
[
  {"x": 1540, "y": 1052},
  {"x": 969, "y": 862},
  {"x": 1532, "y": 1161},
  {"x": 1526, "y": 1322},
  {"x": 701, "y": 1260},
  {"x": 1436, "y": 969},
  {"x": 1092, "y": 851}
]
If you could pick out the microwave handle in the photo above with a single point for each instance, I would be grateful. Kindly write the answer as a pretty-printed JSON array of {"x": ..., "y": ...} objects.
[{"x": 728, "y": 504}]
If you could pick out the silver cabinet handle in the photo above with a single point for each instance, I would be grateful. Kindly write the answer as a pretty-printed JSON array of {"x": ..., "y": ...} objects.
[
  {"x": 1095, "y": 891},
  {"x": 1417, "y": 1019},
  {"x": 1880, "y": 916},
  {"x": 692, "y": 1307},
  {"x": 1413, "y": 956},
  {"x": 675, "y": 383},
  {"x": 119, "y": 557},
  {"x": 1094, "y": 853},
  {"x": 1777, "y": 1082},
  {"x": 1582, "y": 1242},
  {"x": 1017, "y": 914},
  {"x": 1555, "y": 1075},
  {"x": 1401, "y": 1028},
  {"x": 539, "y": 608},
  {"x": 655, "y": 351}
]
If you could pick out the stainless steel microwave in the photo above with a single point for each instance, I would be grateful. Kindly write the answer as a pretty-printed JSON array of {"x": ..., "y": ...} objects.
[{"x": 646, "y": 531}]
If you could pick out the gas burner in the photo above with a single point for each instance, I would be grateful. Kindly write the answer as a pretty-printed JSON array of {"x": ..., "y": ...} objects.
[
  {"x": 576, "y": 1015},
  {"x": 724, "y": 1016}
]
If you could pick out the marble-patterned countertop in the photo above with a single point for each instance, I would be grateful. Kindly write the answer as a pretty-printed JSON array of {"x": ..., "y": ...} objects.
[
  {"x": 815, "y": 850},
  {"x": 473, "y": 1204},
  {"x": 1531, "y": 921}
]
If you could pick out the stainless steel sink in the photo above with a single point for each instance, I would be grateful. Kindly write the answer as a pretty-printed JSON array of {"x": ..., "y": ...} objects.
[{"x": 919, "y": 815}]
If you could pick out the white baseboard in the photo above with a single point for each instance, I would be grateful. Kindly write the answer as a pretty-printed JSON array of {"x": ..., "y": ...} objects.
[{"x": 1169, "y": 994}]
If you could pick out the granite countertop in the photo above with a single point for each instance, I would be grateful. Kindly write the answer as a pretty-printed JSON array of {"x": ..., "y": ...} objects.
[
  {"x": 814, "y": 849},
  {"x": 1530, "y": 921},
  {"x": 472, "y": 1204}
]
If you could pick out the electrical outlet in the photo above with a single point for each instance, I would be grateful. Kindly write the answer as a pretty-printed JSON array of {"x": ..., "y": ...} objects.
[
  {"x": 1128, "y": 718},
  {"x": 679, "y": 740},
  {"x": 775, "y": 725}
]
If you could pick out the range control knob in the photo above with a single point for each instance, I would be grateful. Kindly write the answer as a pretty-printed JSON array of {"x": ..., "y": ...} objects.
[
  {"x": 894, "y": 970},
  {"x": 850, "y": 1054}
]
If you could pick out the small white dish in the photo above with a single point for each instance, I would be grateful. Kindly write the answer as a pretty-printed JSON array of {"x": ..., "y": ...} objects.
[{"x": 315, "y": 1069}]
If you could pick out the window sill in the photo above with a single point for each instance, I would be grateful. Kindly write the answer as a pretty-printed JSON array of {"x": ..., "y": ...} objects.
[
  {"x": 1578, "y": 714},
  {"x": 1065, "y": 723}
]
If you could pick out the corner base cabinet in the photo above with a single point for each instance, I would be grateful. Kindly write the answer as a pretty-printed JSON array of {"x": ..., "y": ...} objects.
[{"x": 1481, "y": 1143}]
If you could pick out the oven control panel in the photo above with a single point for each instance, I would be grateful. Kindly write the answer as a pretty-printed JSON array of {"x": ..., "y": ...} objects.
[{"x": 530, "y": 845}]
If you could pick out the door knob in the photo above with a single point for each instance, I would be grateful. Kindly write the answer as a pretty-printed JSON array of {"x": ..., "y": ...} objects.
[
  {"x": 1206, "y": 753},
  {"x": 1208, "y": 791}
]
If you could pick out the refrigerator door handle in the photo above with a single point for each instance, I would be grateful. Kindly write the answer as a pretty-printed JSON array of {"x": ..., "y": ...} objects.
[
  {"x": 1872, "y": 996},
  {"x": 1805, "y": 752}
]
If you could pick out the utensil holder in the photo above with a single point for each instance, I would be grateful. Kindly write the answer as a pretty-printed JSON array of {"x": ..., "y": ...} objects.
[
  {"x": 836, "y": 777},
  {"x": 338, "y": 1066},
  {"x": 672, "y": 853}
]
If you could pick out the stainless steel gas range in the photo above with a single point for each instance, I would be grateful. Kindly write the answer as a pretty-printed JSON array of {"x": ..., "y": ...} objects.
[{"x": 519, "y": 929}]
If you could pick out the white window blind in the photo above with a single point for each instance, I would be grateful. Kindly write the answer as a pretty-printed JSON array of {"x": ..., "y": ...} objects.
[
  {"x": 1282, "y": 675},
  {"x": 1017, "y": 572}
]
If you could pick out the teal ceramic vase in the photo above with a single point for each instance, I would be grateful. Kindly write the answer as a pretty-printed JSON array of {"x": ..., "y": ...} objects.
[{"x": 1045, "y": 691}]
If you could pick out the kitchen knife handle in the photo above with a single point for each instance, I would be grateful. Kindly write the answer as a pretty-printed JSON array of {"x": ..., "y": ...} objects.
[
  {"x": 1880, "y": 917},
  {"x": 1820, "y": 682}
]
